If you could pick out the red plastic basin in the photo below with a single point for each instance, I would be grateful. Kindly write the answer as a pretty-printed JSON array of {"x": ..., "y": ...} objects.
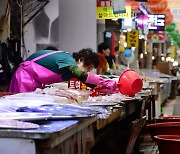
[
  {"x": 165, "y": 128},
  {"x": 167, "y": 119},
  {"x": 168, "y": 144}
]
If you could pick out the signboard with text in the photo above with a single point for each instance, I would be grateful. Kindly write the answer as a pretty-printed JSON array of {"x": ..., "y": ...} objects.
[
  {"x": 155, "y": 22},
  {"x": 74, "y": 83},
  {"x": 104, "y": 10},
  {"x": 133, "y": 38}
]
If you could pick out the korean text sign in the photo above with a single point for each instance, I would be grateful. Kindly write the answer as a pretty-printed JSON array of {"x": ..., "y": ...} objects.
[
  {"x": 104, "y": 10},
  {"x": 155, "y": 22},
  {"x": 74, "y": 83},
  {"x": 133, "y": 38}
]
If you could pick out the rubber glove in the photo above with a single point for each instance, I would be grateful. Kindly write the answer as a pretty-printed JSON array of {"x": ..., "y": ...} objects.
[{"x": 109, "y": 85}]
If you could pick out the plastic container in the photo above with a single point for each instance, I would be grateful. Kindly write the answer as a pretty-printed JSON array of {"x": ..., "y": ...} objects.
[
  {"x": 168, "y": 144},
  {"x": 165, "y": 128},
  {"x": 129, "y": 83},
  {"x": 167, "y": 119}
]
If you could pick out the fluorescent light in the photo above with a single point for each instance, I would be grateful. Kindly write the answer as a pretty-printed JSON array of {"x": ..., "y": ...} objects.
[
  {"x": 168, "y": 59},
  {"x": 175, "y": 63},
  {"x": 133, "y": 48},
  {"x": 172, "y": 60},
  {"x": 125, "y": 44},
  {"x": 114, "y": 19},
  {"x": 141, "y": 55}
]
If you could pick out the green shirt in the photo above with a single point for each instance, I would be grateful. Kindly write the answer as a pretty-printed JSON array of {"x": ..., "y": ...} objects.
[
  {"x": 55, "y": 61},
  {"x": 61, "y": 63}
]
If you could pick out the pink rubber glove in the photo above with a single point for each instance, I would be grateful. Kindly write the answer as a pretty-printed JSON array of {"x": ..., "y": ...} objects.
[{"x": 109, "y": 85}]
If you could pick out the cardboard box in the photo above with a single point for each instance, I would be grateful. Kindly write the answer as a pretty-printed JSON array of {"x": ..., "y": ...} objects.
[{"x": 164, "y": 67}]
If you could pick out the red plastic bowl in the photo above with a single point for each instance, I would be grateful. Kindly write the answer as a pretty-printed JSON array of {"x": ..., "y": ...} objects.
[
  {"x": 129, "y": 83},
  {"x": 168, "y": 144},
  {"x": 166, "y": 128},
  {"x": 167, "y": 119}
]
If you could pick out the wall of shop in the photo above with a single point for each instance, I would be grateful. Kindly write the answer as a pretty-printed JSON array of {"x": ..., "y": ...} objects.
[
  {"x": 100, "y": 31},
  {"x": 69, "y": 25},
  {"x": 77, "y": 27},
  {"x": 4, "y": 21},
  {"x": 43, "y": 29}
]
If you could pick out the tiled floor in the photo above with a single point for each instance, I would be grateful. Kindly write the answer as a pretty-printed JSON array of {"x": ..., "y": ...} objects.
[{"x": 148, "y": 146}]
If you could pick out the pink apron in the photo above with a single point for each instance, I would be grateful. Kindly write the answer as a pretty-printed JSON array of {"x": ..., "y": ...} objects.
[{"x": 31, "y": 75}]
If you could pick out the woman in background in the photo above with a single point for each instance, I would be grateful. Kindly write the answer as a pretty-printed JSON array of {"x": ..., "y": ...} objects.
[
  {"x": 103, "y": 52},
  {"x": 50, "y": 66}
]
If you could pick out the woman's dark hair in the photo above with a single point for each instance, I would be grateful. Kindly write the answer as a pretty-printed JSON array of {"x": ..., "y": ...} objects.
[
  {"x": 102, "y": 46},
  {"x": 51, "y": 48},
  {"x": 87, "y": 56}
]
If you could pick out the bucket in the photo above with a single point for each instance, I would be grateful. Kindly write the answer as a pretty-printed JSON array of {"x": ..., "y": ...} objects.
[
  {"x": 167, "y": 119},
  {"x": 168, "y": 144},
  {"x": 165, "y": 128},
  {"x": 129, "y": 83}
]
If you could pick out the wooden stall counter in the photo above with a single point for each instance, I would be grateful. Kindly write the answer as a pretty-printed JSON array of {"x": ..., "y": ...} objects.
[{"x": 60, "y": 137}]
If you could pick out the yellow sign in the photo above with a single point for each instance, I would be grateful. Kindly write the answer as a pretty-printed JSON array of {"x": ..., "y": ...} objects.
[
  {"x": 133, "y": 38},
  {"x": 107, "y": 13},
  {"x": 122, "y": 41}
]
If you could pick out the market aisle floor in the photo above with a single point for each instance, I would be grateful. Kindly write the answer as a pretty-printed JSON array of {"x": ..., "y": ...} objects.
[
  {"x": 176, "y": 110},
  {"x": 171, "y": 107}
]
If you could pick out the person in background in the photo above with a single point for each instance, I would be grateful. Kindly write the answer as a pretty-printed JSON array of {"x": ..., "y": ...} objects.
[
  {"x": 51, "y": 66},
  {"x": 117, "y": 57},
  {"x": 103, "y": 51},
  {"x": 111, "y": 61}
]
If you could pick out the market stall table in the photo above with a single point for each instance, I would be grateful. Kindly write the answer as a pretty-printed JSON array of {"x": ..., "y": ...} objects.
[
  {"x": 59, "y": 137},
  {"x": 76, "y": 136}
]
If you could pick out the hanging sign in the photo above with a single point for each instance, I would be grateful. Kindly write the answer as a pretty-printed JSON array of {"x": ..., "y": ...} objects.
[
  {"x": 155, "y": 22},
  {"x": 104, "y": 10},
  {"x": 122, "y": 42},
  {"x": 133, "y": 38}
]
